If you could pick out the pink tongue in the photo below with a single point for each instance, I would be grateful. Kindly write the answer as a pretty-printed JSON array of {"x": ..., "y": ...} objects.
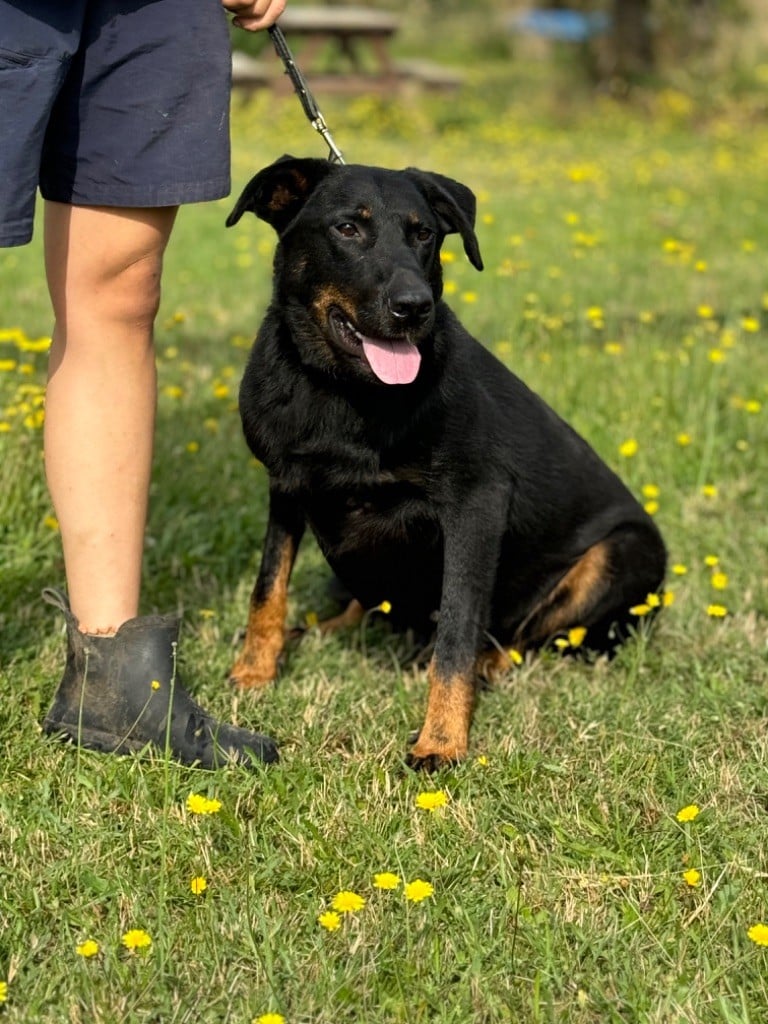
[{"x": 393, "y": 362}]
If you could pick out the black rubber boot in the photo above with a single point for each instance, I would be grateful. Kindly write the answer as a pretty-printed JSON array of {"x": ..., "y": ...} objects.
[{"x": 117, "y": 691}]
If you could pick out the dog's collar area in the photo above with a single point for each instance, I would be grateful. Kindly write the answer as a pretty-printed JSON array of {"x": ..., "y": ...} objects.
[{"x": 392, "y": 360}]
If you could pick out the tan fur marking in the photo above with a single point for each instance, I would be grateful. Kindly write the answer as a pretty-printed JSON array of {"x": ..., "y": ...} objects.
[
  {"x": 329, "y": 296},
  {"x": 493, "y": 663},
  {"x": 351, "y": 616},
  {"x": 444, "y": 736},
  {"x": 265, "y": 632},
  {"x": 565, "y": 605}
]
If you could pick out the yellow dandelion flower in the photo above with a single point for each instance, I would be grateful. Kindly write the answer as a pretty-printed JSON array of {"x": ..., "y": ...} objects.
[
  {"x": 561, "y": 643},
  {"x": 640, "y": 609},
  {"x": 329, "y": 920},
  {"x": 750, "y": 324},
  {"x": 759, "y": 934},
  {"x": 136, "y": 938},
  {"x": 173, "y": 391},
  {"x": 679, "y": 569},
  {"x": 347, "y": 902},
  {"x": 198, "y": 885},
  {"x": 431, "y": 800},
  {"x": 700, "y": 266},
  {"x": 692, "y": 877},
  {"x": 385, "y": 607},
  {"x": 311, "y": 619},
  {"x": 683, "y": 439},
  {"x": 199, "y": 804},
  {"x": 668, "y": 598},
  {"x": 651, "y": 507},
  {"x": 7, "y": 365},
  {"x": 34, "y": 344},
  {"x": 12, "y": 334},
  {"x": 156, "y": 685},
  {"x": 711, "y": 561},
  {"x": 629, "y": 448},
  {"x": 719, "y": 580},
  {"x": 87, "y": 949},
  {"x": 483, "y": 761},
  {"x": 515, "y": 656},
  {"x": 418, "y": 890},
  {"x": 576, "y": 636},
  {"x": 705, "y": 312},
  {"x": 717, "y": 611},
  {"x": 688, "y": 813},
  {"x": 650, "y": 491},
  {"x": 51, "y": 522},
  {"x": 716, "y": 355},
  {"x": 653, "y": 600},
  {"x": 469, "y": 296},
  {"x": 450, "y": 287},
  {"x": 386, "y": 880},
  {"x": 269, "y": 1018},
  {"x": 709, "y": 491},
  {"x": 193, "y": 447},
  {"x": 613, "y": 348},
  {"x": 3, "y": 991},
  {"x": 447, "y": 257},
  {"x": 221, "y": 391}
]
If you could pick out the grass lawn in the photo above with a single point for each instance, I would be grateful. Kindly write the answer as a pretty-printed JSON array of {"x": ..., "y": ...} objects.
[{"x": 626, "y": 282}]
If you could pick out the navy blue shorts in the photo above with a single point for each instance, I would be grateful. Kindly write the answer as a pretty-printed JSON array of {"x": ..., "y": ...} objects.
[{"x": 111, "y": 103}]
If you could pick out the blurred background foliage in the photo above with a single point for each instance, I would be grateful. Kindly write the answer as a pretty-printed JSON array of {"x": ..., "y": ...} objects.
[{"x": 704, "y": 47}]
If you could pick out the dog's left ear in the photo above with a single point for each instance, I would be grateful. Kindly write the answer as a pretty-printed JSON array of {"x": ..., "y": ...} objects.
[
  {"x": 455, "y": 207},
  {"x": 278, "y": 192}
]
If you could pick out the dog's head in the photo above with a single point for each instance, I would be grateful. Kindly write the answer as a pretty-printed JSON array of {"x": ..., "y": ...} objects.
[{"x": 357, "y": 270}]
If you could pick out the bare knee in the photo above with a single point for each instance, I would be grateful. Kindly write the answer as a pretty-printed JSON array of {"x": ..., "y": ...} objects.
[{"x": 104, "y": 266}]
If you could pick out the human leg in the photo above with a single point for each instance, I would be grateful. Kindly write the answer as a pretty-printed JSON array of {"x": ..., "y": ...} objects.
[
  {"x": 121, "y": 690},
  {"x": 103, "y": 270}
]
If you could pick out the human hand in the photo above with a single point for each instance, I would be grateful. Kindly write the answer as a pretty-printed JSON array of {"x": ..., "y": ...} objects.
[{"x": 253, "y": 15}]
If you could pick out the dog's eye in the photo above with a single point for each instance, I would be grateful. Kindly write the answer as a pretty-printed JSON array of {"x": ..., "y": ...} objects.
[
  {"x": 424, "y": 235},
  {"x": 347, "y": 229}
]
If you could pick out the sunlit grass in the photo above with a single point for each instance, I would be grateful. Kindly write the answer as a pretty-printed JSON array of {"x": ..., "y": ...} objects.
[{"x": 561, "y": 873}]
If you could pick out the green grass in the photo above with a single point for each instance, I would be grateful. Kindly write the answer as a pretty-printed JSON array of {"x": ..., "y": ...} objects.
[{"x": 558, "y": 861}]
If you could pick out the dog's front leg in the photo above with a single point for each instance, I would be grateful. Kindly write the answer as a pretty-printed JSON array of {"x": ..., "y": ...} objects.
[
  {"x": 471, "y": 553},
  {"x": 265, "y": 632}
]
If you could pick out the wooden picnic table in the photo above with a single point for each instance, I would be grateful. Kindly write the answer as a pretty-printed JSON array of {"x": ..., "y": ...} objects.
[
  {"x": 347, "y": 47},
  {"x": 342, "y": 49}
]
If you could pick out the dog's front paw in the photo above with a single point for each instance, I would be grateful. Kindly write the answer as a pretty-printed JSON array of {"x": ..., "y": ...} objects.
[
  {"x": 432, "y": 757},
  {"x": 247, "y": 674}
]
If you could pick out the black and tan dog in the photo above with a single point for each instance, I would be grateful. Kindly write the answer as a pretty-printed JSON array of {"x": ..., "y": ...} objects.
[{"x": 432, "y": 477}]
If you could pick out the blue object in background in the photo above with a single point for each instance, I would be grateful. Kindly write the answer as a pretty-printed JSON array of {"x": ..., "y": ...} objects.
[{"x": 562, "y": 25}]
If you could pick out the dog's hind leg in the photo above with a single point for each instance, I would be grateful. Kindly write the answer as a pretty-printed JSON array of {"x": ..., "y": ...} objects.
[
  {"x": 265, "y": 632},
  {"x": 598, "y": 592},
  {"x": 351, "y": 616}
]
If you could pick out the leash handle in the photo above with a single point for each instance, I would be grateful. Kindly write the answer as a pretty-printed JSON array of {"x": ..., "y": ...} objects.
[{"x": 301, "y": 88}]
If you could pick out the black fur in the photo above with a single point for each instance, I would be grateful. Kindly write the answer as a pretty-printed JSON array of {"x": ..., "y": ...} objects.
[{"x": 460, "y": 493}]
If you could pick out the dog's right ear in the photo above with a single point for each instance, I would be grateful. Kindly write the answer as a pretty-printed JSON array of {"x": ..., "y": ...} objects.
[{"x": 278, "y": 192}]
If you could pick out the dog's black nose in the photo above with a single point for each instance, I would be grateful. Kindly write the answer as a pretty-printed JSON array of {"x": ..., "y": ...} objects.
[{"x": 411, "y": 305}]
